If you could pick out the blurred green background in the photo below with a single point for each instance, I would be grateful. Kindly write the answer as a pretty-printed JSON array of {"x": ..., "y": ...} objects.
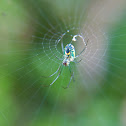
[{"x": 24, "y": 26}]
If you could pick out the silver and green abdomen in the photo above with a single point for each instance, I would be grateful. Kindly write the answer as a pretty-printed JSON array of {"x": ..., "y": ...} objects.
[{"x": 69, "y": 51}]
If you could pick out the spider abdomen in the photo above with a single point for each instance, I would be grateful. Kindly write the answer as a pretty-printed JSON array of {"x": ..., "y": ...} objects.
[
  {"x": 69, "y": 54},
  {"x": 69, "y": 51}
]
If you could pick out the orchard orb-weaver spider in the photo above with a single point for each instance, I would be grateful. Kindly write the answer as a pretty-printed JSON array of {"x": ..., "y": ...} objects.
[{"x": 69, "y": 56}]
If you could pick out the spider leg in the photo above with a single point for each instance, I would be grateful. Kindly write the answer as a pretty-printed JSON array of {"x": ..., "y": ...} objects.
[
  {"x": 62, "y": 46},
  {"x": 53, "y": 73},
  {"x": 72, "y": 73},
  {"x": 83, "y": 49},
  {"x": 55, "y": 78},
  {"x": 62, "y": 49},
  {"x": 77, "y": 61},
  {"x": 57, "y": 57},
  {"x": 72, "y": 77}
]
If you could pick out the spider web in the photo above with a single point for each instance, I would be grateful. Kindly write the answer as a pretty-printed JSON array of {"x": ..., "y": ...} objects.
[{"x": 31, "y": 37}]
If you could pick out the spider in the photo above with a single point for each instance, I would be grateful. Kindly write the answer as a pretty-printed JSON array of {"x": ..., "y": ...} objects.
[{"x": 69, "y": 56}]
